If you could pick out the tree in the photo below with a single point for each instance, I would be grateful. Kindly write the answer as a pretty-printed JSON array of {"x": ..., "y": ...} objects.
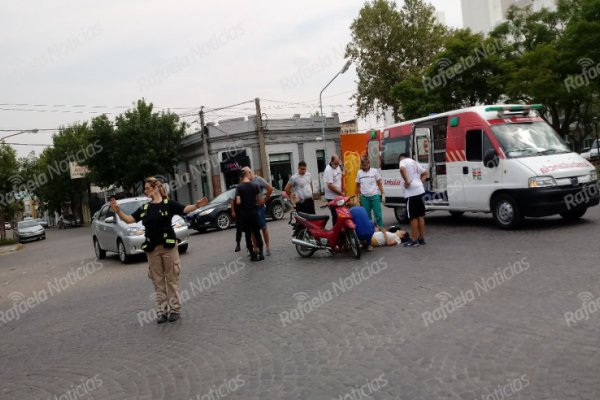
[
  {"x": 540, "y": 60},
  {"x": 145, "y": 143},
  {"x": 388, "y": 46},
  {"x": 52, "y": 175},
  {"x": 9, "y": 169},
  {"x": 466, "y": 73}
]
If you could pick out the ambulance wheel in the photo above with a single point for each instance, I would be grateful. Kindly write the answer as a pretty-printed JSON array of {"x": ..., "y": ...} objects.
[
  {"x": 457, "y": 214},
  {"x": 507, "y": 214},
  {"x": 573, "y": 215},
  {"x": 401, "y": 214}
]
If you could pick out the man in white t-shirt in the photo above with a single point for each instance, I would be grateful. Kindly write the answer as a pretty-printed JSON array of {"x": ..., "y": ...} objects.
[
  {"x": 368, "y": 185},
  {"x": 332, "y": 177},
  {"x": 301, "y": 185},
  {"x": 413, "y": 177}
]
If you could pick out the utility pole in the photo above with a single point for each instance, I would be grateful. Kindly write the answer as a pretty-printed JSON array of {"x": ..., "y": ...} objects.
[
  {"x": 261, "y": 142},
  {"x": 208, "y": 164}
]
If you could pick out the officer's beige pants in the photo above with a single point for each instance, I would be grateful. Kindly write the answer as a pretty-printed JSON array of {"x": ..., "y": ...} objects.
[{"x": 164, "y": 269}]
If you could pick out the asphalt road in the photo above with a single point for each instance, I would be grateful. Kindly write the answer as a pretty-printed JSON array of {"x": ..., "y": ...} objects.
[{"x": 477, "y": 313}]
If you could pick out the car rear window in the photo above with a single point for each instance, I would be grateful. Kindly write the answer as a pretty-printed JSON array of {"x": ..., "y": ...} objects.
[{"x": 130, "y": 207}]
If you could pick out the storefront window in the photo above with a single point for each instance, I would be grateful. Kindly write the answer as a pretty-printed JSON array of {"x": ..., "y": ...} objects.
[{"x": 281, "y": 169}]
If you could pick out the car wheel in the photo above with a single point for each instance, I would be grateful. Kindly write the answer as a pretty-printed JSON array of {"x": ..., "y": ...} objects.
[
  {"x": 223, "y": 221},
  {"x": 182, "y": 248},
  {"x": 507, "y": 213},
  {"x": 277, "y": 211},
  {"x": 457, "y": 214},
  {"x": 100, "y": 254},
  {"x": 123, "y": 256}
]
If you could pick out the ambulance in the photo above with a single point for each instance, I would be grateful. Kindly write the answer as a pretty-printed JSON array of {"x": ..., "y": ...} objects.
[{"x": 501, "y": 159}]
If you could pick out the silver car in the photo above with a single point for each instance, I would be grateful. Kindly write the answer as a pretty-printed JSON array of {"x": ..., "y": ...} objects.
[
  {"x": 110, "y": 233},
  {"x": 29, "y": 230}
]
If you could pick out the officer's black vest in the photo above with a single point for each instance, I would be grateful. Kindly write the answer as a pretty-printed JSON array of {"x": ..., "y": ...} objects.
[{"x": 168, "y": 233}]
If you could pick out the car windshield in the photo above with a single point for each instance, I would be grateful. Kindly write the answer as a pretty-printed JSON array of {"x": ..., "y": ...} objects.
[
  {"x": 130, "y": 207},
  {"x": 529, "y": 139},
  {"x": 224, "y": 197},
  {"x": 27, "y": 224}
]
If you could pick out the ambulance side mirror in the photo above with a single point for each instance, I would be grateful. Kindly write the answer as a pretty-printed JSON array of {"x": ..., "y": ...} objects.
[{"x": 490, "y": 159}]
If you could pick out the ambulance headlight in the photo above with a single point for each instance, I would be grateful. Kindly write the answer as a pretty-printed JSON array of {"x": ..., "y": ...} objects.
[
  {"x": 593, "y": 176},
  {"x": 541, "y": 181}
]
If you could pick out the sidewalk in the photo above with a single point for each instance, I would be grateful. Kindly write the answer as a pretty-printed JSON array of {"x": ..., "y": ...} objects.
[{"x": 10, "y": 248}]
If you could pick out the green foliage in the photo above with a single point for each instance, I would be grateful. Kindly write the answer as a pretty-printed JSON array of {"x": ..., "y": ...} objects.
[
  {"x": 140, "y": 144},
  {"x": 389, "y": 45},
  {"x": 9, "y": 169},
  {"x": 468, "y": 72},
  {"x": 7, "y": 242}
]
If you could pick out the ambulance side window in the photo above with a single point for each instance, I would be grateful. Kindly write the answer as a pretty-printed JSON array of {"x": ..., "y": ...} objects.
[
  {"x": 391, "y": 150},
  {"x": 477, "y": 143}
]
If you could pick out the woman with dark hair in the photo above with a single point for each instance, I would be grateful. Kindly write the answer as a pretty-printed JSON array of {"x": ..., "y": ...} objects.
[{"x": 161, "y": 245}]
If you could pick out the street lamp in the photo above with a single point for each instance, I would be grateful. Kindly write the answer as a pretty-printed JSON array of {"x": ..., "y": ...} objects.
[
  {"x": 344, "y": 69},
  {"x": 18, "y": 133}
]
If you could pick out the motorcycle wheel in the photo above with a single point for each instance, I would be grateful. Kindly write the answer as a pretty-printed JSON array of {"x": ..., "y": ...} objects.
[
  {"x": 305, "y": 252},
  {"x": 354, "y": 243}
]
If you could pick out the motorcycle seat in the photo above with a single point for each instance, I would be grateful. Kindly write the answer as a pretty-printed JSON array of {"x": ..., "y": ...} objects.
[{"x": 312, "y": 217}]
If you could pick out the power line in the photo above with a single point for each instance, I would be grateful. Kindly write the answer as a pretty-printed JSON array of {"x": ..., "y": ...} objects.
[
  {"x": 83, "y": 106},
  {"x": 226, "y": 107}
]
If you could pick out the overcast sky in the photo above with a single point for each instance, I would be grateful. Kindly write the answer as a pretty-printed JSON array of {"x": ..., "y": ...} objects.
[{"x": 178, "y": 55}]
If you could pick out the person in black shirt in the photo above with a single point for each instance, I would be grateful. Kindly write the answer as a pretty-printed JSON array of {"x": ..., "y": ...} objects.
[
  {"x": 247, "y": 198},
  {"x": 161, "y": 245}
]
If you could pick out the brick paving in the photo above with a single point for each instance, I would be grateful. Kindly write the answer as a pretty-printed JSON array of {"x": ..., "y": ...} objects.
[{"x": 494, "y": 304}]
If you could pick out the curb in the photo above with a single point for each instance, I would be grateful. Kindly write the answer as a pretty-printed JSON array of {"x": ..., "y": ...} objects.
[{"x": 11, "y": 248}]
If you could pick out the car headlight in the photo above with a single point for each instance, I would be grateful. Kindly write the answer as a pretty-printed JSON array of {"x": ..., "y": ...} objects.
[
  {"x": 593, "y": 176},
  {"x": 206, "y": 212},
  {"x": 135, "y": 231},
  {"x": 541, "y": 181},
  {"x": 179, "y": 223}
]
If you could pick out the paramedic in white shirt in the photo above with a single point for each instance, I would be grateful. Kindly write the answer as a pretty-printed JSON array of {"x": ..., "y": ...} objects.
[
  {"x": 413, "y": 176},
  {"x": 368, "y": 184},
  {"x": 332, "y": 177}
]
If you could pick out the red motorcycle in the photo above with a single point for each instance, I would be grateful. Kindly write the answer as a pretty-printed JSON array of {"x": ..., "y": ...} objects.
[{"x": 310, "y": 234}]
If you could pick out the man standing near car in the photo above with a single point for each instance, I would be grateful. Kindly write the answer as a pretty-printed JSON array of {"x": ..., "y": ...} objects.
[
  {"x": 413, "y": 177},
  {"x": 332, "y": 177},
  {"x": 247, "y": 198},
  {"x": 301, "y": 183},
  {"x": 265, "y": 191},
  {"x": 161, "y": 245}
]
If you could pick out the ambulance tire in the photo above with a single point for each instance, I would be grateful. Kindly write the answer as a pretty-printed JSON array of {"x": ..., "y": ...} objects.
[
  {"x": 573, "y": 215},
  {"x": 401, "y": 214},
  {"x": 506, "y": 211}
]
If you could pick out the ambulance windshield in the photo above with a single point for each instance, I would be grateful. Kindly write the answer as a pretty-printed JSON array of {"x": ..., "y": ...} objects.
[{"x": 529, "y": 139}]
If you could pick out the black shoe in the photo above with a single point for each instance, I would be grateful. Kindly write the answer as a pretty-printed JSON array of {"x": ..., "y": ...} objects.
[
  {"x": 237, "y": 248},
  {"x": 422, "y": 242},
  {"x": 254, "y": 257},
  {"x": 260, "y": 257},
  {"x": 161, "y": 319},
  {"x": 173, "y": 317}
]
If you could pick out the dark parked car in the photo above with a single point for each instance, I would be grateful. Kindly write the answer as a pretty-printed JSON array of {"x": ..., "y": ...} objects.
[
  {"x": 217, "y": 213},
  {"x": 68, "y": 221}
]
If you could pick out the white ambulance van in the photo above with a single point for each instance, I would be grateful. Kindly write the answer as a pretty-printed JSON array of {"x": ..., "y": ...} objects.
[{"x": 503, "y": 159}]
